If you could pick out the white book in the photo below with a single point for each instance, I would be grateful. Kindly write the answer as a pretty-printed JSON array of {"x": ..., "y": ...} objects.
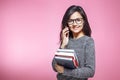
[
  {"x": 65, "y": 52},
  {"x": 65, "y": 58}
]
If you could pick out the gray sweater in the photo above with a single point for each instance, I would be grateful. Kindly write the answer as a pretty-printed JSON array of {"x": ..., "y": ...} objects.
[{"x": 85, "y": 50}]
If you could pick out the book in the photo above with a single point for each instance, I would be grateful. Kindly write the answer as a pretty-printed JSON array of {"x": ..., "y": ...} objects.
[{"x": 66, "y": 58}]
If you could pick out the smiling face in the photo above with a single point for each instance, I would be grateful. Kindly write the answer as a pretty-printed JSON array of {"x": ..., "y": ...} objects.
[{"x": 75, "y": 23}]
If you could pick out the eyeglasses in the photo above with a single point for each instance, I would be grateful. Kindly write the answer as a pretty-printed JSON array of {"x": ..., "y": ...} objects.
[{"x": 77, "y": 20}]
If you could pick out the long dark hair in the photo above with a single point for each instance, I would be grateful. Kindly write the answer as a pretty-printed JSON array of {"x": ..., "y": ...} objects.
[{"x": 86, "y": 27}]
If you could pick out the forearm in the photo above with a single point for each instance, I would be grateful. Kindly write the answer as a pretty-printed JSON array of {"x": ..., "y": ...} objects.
[
  {"x": 84, "y": 72},
  {"x": 53, "y": 64}
]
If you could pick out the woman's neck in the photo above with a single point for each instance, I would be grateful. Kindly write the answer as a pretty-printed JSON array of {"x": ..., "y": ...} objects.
[{"x": 78, "y": 35}]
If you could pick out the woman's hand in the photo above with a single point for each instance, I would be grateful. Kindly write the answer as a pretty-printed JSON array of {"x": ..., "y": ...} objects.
[
  {"x": 65, "y": 37},
  {"x": 59, "y": 69}
]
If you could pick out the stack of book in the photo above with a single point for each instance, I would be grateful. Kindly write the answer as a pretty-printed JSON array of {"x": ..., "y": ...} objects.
[{"x": 66, "y": 58}]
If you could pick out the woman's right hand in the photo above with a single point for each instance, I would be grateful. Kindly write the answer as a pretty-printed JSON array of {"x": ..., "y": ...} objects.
[{"x": 65, "y": 37}]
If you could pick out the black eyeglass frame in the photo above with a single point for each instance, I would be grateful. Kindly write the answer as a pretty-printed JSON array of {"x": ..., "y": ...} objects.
[{"x": 77, "y": 20}]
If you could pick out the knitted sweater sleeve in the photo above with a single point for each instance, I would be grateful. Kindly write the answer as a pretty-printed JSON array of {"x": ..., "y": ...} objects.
[
  {"x": 89, "y": 66},
  {"x": 53, "y": 64}
]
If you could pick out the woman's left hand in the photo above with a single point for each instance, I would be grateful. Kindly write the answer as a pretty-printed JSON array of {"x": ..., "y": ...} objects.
[{"x": 59, "y": 68}]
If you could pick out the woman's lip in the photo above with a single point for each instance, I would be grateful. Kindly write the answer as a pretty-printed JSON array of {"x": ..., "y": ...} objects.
[{"x": 76, "y": 27}]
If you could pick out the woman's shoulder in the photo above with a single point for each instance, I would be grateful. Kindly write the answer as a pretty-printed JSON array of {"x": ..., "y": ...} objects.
[{"x": 88, "y": 39}]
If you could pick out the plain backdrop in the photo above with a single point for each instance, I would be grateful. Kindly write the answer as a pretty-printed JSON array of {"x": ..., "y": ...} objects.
[{"x": 29, "y": 36}]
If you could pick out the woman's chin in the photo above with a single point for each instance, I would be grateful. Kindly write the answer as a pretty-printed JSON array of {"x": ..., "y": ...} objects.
[{"x": 76, "y": 31}]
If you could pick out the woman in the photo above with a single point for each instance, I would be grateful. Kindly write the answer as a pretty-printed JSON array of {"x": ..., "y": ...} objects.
[{"x": 76, "y": 34}]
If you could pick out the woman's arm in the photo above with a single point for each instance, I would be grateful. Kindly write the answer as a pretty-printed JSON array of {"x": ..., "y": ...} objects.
[
  {"x": 53, "y": 64},
  {"x": 89, "y": 66}
]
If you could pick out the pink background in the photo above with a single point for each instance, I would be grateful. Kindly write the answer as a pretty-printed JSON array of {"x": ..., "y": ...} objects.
[{"x": 29, "y": 36}]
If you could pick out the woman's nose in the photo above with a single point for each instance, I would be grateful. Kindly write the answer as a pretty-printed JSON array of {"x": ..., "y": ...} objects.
[{"x": 74, "y": 22}]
